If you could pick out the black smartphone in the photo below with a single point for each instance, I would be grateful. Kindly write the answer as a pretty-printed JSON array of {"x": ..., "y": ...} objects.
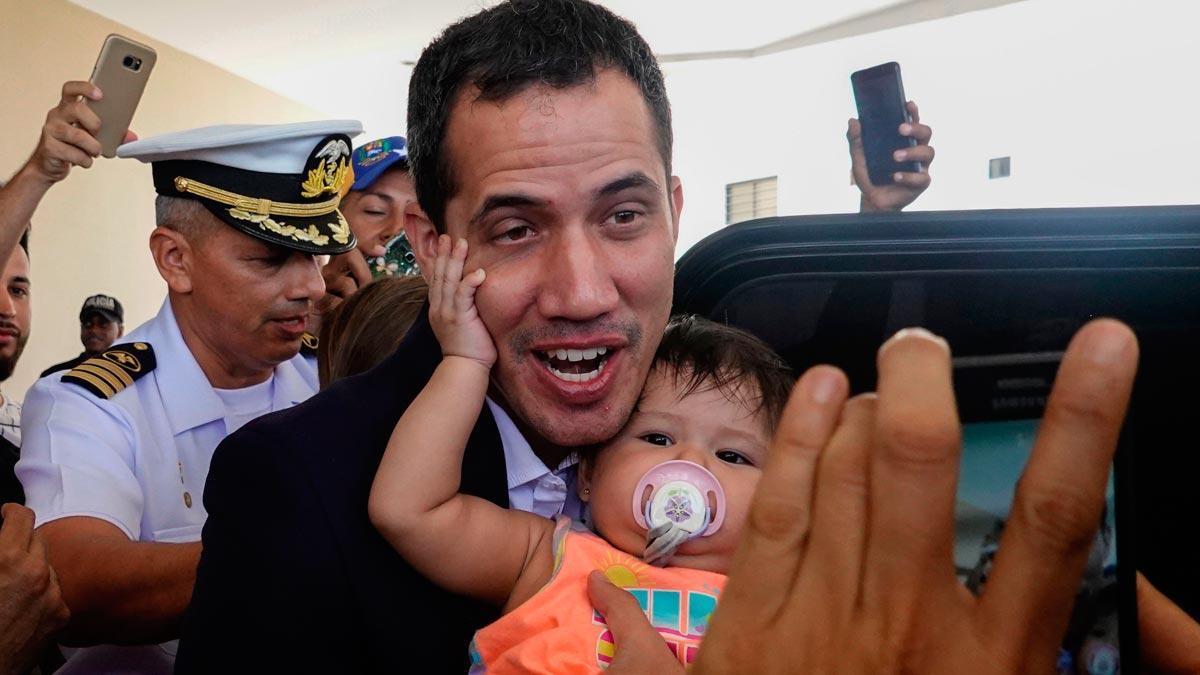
[
  {"x": 879, "y": 95},
  {"x": 1001, "y": 399}
]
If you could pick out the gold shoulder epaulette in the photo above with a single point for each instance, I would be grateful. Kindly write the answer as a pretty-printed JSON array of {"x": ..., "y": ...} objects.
[
  {"x": 308, "y": 344},
  {"x": 114, "y": 369}
]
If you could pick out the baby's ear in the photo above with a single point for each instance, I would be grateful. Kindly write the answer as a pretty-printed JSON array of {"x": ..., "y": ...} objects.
[{"x": 583, "y": 480}]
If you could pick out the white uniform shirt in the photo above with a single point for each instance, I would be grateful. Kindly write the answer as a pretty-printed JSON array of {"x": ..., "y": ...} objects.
[
  {"x": 139, "y": 459},
  {"x": 531, "y": 485}
]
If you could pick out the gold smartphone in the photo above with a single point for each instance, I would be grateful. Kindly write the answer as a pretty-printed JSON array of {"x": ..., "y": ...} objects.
[{"x": 121, "y": 72}]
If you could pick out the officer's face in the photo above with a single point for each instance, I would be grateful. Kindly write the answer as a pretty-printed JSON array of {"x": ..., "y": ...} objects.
[
  {"x": 563, "y": 199},
  {"x": 15, "y": 311},
  {"x": 255, "y": 297},
  {"x": 376, "y": 214},
  {"x": 97, "y": 333}
]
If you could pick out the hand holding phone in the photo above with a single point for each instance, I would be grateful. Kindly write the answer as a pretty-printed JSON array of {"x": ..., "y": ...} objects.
[
  {"x": 879, "y": 95},
  {"x": 121, "y": 72}
]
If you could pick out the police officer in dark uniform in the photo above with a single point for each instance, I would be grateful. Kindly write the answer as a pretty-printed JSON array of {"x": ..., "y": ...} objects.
[{"x": 101, "y": 322}]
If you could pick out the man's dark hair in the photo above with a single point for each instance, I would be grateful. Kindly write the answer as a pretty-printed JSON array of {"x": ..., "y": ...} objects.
[
  {"x": 702, "y": 354},
  {"x": 504, "y": 50}
]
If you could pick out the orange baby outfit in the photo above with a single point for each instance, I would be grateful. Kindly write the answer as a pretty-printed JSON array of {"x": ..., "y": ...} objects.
[{"x": 558, "y": 632}]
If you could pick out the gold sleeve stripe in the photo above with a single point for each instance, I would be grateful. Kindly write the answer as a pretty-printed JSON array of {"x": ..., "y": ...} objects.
[
  {"x": 113, "y": 368},
  {"x": 104, "y": 389},
  {"x": 113, "y": 383}
]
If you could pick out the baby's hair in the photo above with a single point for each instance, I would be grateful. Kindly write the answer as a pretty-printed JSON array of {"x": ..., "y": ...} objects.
[{"x": 701, "y": 355}]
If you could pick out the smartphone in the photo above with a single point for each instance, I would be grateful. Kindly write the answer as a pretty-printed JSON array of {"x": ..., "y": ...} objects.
[
  {"x": 1001, "y": 399},
  {"x": 879, "y": 95},
  {"x": 121, "y": 72}
]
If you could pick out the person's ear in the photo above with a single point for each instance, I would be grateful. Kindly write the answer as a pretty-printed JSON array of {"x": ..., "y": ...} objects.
[
  {"x": 120, "y": 330},
  {"x": 422, "y": 237},
  {"x": 174, "y": 257},
  {"x": 676, "y": 206},
  {"x": 583, "y": 480}
]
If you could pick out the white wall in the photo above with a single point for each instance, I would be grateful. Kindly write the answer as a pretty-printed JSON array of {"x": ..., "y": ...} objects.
[
  {"x": 1095, "y": 100},
  {"x": 90, "y": 233}
]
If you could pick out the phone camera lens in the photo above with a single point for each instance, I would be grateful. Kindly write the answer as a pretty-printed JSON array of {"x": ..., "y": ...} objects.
[{"x": 132, "y": 62}]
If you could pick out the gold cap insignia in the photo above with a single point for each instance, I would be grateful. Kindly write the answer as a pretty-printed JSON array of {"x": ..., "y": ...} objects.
[{"x": 331, "y": 172}]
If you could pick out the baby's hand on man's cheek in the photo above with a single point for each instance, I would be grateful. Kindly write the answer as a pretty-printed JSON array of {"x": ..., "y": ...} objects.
[{"x": 452, "y": 311}]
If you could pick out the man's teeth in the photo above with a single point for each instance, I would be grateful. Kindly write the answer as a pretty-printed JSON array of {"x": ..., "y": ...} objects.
[
  {"x": 577, "y": 354},
  {"x": 578, "y": 377},
  {"x": 559, "y": 357}
]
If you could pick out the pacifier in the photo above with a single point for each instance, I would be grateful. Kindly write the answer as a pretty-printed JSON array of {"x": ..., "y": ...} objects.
[{"x": 676, "y": 501}]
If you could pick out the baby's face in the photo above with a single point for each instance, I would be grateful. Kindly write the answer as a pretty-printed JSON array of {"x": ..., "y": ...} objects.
[{"x": 707, "y": 428}]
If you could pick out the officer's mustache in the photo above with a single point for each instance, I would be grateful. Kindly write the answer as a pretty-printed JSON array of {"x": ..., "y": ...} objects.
[{"x": 289, "y": 310}]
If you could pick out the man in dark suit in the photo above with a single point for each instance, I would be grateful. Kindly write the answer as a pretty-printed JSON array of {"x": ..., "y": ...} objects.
[
  {"x": 567, "y": 199},
  {"x": 541, "y": 133}
]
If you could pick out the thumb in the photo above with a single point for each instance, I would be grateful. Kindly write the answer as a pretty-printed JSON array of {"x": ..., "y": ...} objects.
[
  {"x": 854, "y": 133},
  {"x": 617, "y": 605},
  {"x": 640, "y": 649},
  {"x": 1170, "y": 639},
  {"x": 858, "y": 158}
]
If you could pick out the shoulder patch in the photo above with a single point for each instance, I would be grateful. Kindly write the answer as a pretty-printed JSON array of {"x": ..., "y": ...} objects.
[
  {"x": 308, "y": 344},
  {"x": 113, "y": 369}
]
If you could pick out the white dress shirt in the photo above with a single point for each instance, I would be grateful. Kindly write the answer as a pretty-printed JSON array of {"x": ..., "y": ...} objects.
[{"x": 531, "y": 485}]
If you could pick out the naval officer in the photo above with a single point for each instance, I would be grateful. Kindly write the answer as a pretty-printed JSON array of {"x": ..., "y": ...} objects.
[{"x": 117, "y": 448}]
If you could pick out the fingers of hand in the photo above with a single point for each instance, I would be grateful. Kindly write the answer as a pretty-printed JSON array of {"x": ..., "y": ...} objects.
[
  {"x": 79, "y": 113},
  {"x": 77, "y": 138},
  {"x": 839, "y": 528},
  {"x": 913, "y": 112},
  {"x": 437, "y": 283},
  {"x": 464, "y": 299},
  {"x": 770, "y": 554},
  {"x": 622, "y": 614},
  {"x": 1061, "y": 494},
  {"x": 74, "y": 89},
  {"x": 911, "y": 181},
  {"x": 854, "y": 132},
  {"x": 914, "y": 470},
  {"x": 919, "y": 132},
  {"x": 17, "y": 530},
  {"x": 920, "y": 153},
  {"x": 60, "y": 614},
  {"x": 340, "y": 287},
  {"x": 453, "y": 271},
  {"x": 1169, "y": 638},
  {"x": 357, "y": 266}
]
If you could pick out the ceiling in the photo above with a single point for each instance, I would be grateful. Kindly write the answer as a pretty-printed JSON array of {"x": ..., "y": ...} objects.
[{"x": 353, "y": 58}]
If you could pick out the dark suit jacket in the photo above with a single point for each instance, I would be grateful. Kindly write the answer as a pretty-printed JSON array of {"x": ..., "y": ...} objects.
[
  {"x": 293, "y": 577},
  {"x": 10, "y": 487}
]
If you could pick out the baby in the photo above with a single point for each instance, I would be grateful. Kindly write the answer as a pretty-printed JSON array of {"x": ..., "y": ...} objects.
[{"x": 667, "y": 496}]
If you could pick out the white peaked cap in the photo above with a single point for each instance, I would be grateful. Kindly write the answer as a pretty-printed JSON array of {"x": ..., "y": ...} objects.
[{"x": 266, "y": 148}]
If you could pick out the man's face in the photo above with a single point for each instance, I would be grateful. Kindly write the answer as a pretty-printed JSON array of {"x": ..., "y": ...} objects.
[
  {"x": 376, "y": 214},
  {"x": 15, "y": 311},
  {"x": 97, "y": 332},
  {"x": 252, "y": 298},
  {"x": 563, "y": 198}
]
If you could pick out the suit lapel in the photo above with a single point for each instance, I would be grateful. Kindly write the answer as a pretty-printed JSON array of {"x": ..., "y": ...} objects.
[{"x": 384, "y": 586}]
